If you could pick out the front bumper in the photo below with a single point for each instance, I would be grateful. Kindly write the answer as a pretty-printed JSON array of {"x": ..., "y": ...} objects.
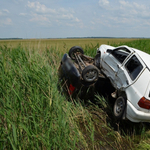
[{"x": 135, "y": 115}]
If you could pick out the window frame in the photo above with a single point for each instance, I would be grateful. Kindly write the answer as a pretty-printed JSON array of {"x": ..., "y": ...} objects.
[
  {"x": 123, "y": 53},
  {"x": 133, "y": 77}
]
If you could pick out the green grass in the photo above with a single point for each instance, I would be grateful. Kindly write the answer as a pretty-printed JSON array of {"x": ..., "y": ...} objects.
[{"x": 35, "y": 115}]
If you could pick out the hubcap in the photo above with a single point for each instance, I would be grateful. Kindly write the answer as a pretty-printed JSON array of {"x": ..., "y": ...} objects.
[
  {"x": 119, "y": 107},
  {"x": 91, "y": 75}
]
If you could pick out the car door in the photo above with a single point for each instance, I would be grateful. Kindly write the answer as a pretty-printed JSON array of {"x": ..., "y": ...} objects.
[
  {"x": 113, "y": 66},
  {"x": 129, "y": 71},
  {"x": 121, "y": 79}
]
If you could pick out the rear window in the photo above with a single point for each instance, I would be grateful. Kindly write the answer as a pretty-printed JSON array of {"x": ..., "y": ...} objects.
[{"x": 133, "y": 67}]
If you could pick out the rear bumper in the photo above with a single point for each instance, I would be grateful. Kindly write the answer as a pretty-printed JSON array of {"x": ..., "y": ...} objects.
[{"x": 135, "y": 115}]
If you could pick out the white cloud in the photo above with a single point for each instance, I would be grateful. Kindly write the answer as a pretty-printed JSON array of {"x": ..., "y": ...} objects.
[
  {"x": 41, "y": 8},
  {"x": 134, "y": 9},
  {"x": 139, "y": 6},
  {"x": 92, "y": 22},
  {"x": 122, "y": 12},
  {"x": 124, "y": 3},
  {"x": 77, "y": 20},
  {"x": 70, "y": 25},
  {"x": 103, "y": 2},
  {"x": 23, "y": 14},
  {"x": 17, "y": 1},
  {"x": 6, "y": 21},
  {"x": 4, "y": 12},
  {"x": 39, "y": 18},
  {"x": 39, "y": 12},
  {"x": 67, "y": 16}
]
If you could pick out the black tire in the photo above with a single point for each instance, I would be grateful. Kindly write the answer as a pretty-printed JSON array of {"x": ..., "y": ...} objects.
[
  {"x": 74, "y": 50},
  {"x": 119, "y": 108},
  {"x": 97, "y": 60},
  {"x": 90, "y": 73}
]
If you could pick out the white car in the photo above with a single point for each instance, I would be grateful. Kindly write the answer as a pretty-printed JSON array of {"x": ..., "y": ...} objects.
[{"x": 129, "y": 72}]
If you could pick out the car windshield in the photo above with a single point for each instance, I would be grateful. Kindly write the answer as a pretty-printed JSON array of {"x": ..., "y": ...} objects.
[
  {"x": 133, "y": 67},
  {"x": 121, "y": 54}
]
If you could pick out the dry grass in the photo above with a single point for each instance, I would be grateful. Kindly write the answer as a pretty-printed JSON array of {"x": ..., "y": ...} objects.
[{"x": 61, "y": 43}]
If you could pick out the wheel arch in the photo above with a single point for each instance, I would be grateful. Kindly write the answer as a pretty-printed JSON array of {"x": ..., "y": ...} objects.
[{"x": 122, "y": 93}]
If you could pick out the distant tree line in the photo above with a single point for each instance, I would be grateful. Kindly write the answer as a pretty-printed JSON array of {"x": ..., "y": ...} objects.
[{"x": 10, "y": 38}]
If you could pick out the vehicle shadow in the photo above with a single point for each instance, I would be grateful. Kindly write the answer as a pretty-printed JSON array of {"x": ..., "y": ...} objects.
[
  {"x": 124, "y": 127},
  {"x": 103, "y": 90}
]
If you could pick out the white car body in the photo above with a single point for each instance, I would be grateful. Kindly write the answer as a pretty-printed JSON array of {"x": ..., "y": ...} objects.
[{"x": 129, "y": 72}]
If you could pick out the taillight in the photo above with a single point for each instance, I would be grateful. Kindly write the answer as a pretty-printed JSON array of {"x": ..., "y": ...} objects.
[
  {"x": 71, "y": 89},
  {"x": 144, "y": 103}
]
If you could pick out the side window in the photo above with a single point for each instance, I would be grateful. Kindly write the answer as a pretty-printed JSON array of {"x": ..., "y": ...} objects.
[
  {"x": 133, "y": 67},
  {"x": 121, "y": 54}
]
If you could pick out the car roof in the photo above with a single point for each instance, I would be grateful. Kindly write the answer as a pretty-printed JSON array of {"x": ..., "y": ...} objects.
[{"x": 144, "y": 56}]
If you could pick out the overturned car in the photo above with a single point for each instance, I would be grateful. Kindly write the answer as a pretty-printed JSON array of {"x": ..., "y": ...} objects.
[{"x": 126, "y": 68}]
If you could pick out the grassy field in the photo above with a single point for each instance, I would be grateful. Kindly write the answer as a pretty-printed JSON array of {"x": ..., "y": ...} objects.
[
  {"x": 60, "y": 43},
  {"x": 35, "y": 115}
]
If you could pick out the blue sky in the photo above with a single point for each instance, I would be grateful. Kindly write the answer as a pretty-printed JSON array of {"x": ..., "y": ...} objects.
[{"x": 74, "y": 18}]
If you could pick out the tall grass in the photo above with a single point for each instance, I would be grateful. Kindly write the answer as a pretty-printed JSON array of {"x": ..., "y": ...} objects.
[{"x": 35, "y": 115}]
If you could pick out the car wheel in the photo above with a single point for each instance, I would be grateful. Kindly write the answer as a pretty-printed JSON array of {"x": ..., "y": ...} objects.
[
  {"x": 97, "y": 60},
  {"x": 119, "y": 107},
  {"x": 90, "y": 73},
  {"x": 74, "y": 50}
]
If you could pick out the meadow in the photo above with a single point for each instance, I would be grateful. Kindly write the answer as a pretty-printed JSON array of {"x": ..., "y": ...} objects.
[
  {"x": 60, "y": 43},
  {"x": 35, "y": 115}
]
